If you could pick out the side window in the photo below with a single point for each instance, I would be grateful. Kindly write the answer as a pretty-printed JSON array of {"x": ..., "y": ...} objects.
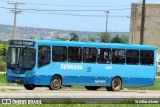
[
  {"x": 74, "y": 54},
  {"x": 43, "y": 55},
  {"x": 147, "y": 57},
  {"x": 118, "y": 56},
  {"x": 104, "y": 55},
  {"x": 132, "y": 56},
  {"x": 89, "y": 55},
  {"x": 59, "y": 53}
]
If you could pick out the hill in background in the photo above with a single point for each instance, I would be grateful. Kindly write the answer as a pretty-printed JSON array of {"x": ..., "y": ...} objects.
[{"x": 6, "y": 32}]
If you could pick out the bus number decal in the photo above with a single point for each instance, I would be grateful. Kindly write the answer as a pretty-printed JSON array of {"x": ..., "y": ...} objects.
[
  {"x": 71, "y": 67},
  {"x": 100, "y": 81},
  {"x": 108, "y": 67}
]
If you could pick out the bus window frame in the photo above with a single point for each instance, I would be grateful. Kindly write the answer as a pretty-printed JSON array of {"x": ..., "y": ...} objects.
[
  {"x": 66, "y": 53},
  {"x": 110, "y": 55},
  {"x": 81, "y": 54},
  {"x": 89, "y": 54},
  {"x": 147, "y": 57},
  {"x": 133, "y": 57},
  {"x": 38, "y": 56},
  {"x": 119, "y": 56}
]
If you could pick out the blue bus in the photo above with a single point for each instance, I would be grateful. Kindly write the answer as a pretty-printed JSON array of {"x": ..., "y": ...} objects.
[{"x": 94, "y": 65}]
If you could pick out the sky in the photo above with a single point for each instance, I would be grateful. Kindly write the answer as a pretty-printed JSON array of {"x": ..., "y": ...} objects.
[{"x": 78, "y": 15}]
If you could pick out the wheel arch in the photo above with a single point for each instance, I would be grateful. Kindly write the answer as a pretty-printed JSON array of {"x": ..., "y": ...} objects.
[{"x": 118, "y": 77}]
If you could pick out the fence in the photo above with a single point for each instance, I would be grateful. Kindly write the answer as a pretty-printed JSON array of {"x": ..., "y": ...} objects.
[{"x": 2, "y": 63}]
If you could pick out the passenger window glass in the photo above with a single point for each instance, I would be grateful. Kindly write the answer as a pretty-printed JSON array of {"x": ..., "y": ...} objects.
[
  {"x": 89, "y": 55},
  {"x": 118, "y": 56},
  {"x": 147, "y": 57},
  {"x": 74, "y": 54},
  {"x": 43, "y": 55},
  {"x": 59, "y": 53},
  {"x": 104, "y": 55},
  {"x": 132, "y": 56}
]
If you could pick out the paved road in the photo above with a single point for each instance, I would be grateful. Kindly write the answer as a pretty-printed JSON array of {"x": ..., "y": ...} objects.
[
  {"x": 14, "y": 93},
  {"x": 44, "y": 92}
]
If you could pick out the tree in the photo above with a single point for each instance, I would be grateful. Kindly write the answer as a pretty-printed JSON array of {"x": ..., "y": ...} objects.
[
  {"x": 92, "y": 39},
  {"x": 3, "y": 50},
  {"x": 105, "y": 37},
  {"x": 62, "y": 39},
  {"x": 31, "y": 37},
  {"x": 125, "y": 39},
  {"x": 116, "y": 39},
  {"x": 74, "y": 37}
]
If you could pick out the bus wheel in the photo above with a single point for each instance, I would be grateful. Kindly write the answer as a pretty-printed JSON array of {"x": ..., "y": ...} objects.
[
  {"x": 116, "y": 84},
  {"x": 55, "y": 83},
  {"x": 92, "y": 87},
  {"x": 29, "y": 86}
]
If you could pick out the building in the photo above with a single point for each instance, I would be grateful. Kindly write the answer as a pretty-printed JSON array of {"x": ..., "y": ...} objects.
[{"x": 152, "y": 24}]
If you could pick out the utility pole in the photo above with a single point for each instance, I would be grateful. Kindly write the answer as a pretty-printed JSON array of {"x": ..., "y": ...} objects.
[
  {"x": 142, "y": 23},
  {"x": 106, "y": 11},
  {"x": 15, "y": 11}
]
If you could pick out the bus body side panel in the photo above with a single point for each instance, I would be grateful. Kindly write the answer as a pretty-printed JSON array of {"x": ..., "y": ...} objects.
[
  {"x": 96, "y": 74},
  {"x": 134, "y": 75},
  {"x": 102, "y": 75},
  {"x": 87, "y": 74}
]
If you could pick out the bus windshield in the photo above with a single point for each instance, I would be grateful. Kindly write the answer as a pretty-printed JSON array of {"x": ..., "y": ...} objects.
[{"x": 23, "y": 58}]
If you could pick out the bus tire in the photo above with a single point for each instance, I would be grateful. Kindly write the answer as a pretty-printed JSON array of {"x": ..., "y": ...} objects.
[
  {"x": 55, "y": 83},
  {"x": 29, "y": 86},
  {"x": 116, "y": 84},
  {"x": 92, "y": 87}
]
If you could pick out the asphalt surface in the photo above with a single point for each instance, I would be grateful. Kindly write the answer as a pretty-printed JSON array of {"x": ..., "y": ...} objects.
[
  {"x": 42, "y": 95},
  {"x": 44, "y": 92}
]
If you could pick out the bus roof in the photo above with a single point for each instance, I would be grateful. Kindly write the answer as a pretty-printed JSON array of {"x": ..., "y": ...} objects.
[{"x": 92, "y": 44}]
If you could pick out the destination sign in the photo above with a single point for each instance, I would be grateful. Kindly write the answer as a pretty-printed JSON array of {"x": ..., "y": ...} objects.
[{"x": 21, "y": 43}]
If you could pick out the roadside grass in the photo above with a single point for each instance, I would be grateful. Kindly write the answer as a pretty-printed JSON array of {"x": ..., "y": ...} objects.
[
  {"x": 85, "y": 105},
  {"x": 3, "y": 80}
]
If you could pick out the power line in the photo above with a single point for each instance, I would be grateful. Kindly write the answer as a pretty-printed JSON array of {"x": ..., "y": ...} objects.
[
  {"x": 84, "y": 15},
  {"x": 71, "y": 10},
  {"x": 59, "y": 10},
  {"x": 62, "y": 10},
  {"x": 50, "y": 12},
  {"x": 6, "y": 8},
  {"x": 69, "y": 5},
  {"x": 76, "y": 5}
]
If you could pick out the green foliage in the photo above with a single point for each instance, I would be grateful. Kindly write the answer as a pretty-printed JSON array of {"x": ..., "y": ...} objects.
[
  {"x": 92, "y": 39},
  {"x": 122, "y": 39},
  {"x": 3, "y": 50},
  {"x": 74, "y": 37},
  {"x": 62, "y": 39},
  {"x": 3, "y": 54},
  {"x": 116, "y": 39},
  {"x": 31, "y": 37},
  {"x": 125, "y": 39},
  {"x": 105, "y": 37}
]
